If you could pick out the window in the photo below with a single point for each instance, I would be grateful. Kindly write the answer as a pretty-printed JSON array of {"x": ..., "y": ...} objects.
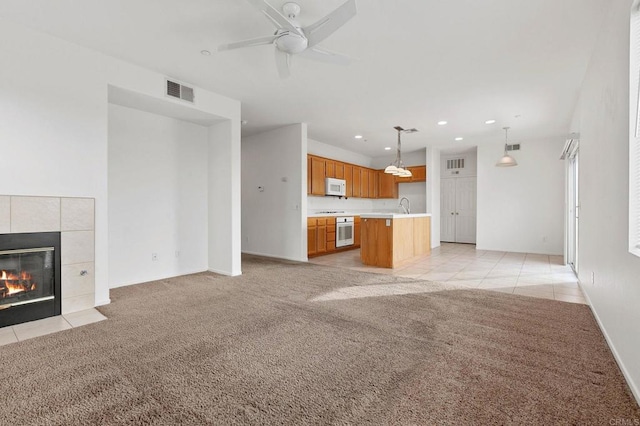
[{"x": 634, "y": 131}]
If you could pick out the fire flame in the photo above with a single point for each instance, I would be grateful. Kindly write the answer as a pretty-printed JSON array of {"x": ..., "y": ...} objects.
[{"x": 15, "y": 283}]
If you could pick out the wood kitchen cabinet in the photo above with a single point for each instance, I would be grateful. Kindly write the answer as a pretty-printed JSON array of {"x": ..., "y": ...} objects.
[
  {"x": 317, "y": 175},
  {"x": 373, "y": 183},
  {"x": 339, "y": 168},
  {"x": 387, "y": 185},
  {"x": 348, "y": 177},
  {"x": 356, "y": 231},
  {"x": 356, "y": 182},
  {"x": 317, "y": 235},
  {"x": 418, "y": 174},
  {"x": 364, "y": 183},
  {"x": 311, "y": 236},
  {"x": 329, "y": 168},
  {"x": 331, "y": 234}
]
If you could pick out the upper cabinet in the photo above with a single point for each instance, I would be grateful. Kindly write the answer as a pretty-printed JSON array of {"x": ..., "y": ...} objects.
[
  {"x": 418, "y": 174},
  {"x": 362, "y": 182}
]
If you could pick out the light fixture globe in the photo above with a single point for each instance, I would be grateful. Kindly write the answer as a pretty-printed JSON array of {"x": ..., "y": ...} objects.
[
  {"x": 391, "y": 169},
  {"x": 506, "y": 161}
]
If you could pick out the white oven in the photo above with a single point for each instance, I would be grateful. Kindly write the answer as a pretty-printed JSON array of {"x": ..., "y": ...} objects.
[{"x": 344, "y": 231}]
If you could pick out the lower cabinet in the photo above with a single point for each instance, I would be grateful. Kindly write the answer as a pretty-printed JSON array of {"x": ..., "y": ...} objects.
[{"x": 321, "y": 235}]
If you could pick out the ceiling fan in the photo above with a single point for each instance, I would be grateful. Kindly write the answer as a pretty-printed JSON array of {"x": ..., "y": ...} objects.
[{"x": 291, "y": 39}]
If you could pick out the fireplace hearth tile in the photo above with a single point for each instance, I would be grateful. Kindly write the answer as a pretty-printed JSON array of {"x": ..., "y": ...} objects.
[
  {"x": 7, "y": 336},
  {"x": 29, "y": 330},
  {"x": 89, "y": 316},
  {"x": 5, "y": 214},
  {"x": 35, "y": 214},
  {"x": 77, "y": 214}
]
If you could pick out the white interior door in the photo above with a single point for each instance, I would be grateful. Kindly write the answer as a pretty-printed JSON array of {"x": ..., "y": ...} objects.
[
  {"x": 458, "y": 210},
  {"x": 573, "y": 211},
  {"x": 466, "y": 210},
  {"x": 448, "y": 210}
]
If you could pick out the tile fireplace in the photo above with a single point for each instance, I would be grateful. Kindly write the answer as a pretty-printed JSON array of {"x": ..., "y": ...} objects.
[{"x": 30, "y": 284}]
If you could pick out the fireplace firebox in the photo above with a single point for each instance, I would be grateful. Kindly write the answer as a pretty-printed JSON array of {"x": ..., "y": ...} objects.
[{"x": 30, "y": 286}]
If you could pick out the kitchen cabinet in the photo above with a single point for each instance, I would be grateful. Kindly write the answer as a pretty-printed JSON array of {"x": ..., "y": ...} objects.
[
  {"x": 331, "y": 234},
  {"x": 373, "y": 183},
  {"x": 348, "y": 177},
  {"x": 390, "y": 240},
  {"x": 329, "y": 168},
  {"x": 308, "y": 175},
  {"x": 387, "y": 185},
  {"x": 356, "y": 182},
  {"x": 418, "y": 174},
  {"x": 356, "y": 231},
  {"x": 339, "y": 168},
  {"x": 364, "y": 183},
  {"x": 311, "y": 236},
  {"x": 317, "y": 175}
]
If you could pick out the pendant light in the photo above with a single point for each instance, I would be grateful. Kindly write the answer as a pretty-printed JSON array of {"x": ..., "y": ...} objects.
[
  {"x": 397, "y": 167},
  {"x": 506, "y": 160}
]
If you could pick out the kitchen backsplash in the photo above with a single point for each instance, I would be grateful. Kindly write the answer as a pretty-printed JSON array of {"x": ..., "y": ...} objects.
[{"x": 318, "y": 203}]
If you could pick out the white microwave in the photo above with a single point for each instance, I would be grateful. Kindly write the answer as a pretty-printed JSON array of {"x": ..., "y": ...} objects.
[{"x": 335, "y": 187}]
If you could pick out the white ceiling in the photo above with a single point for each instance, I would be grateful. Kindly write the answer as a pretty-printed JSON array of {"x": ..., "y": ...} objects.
[{"x": 416, "y": 62}]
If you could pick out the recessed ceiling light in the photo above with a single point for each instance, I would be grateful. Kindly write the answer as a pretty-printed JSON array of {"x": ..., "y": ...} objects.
[
  {"x": 459, "y": 138},
  {"x": 442, "y": 123},
  {"x": 387, "y": 148},
  {"x": 205, "y": 52},
  {"x": 489, "y": 121},
  {"x": 358, "y": 136}
]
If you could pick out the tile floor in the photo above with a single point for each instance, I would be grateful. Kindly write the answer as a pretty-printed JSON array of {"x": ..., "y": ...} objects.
[
  {"x": 534, "y": 275},
  {"x": 28, "y": 330}
]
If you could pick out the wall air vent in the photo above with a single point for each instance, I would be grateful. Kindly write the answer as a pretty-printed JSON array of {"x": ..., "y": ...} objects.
[
  {"x": 456, "y": 163},
  {"x": 514, "y": 147},
  {"x": 177, "y": 90}
]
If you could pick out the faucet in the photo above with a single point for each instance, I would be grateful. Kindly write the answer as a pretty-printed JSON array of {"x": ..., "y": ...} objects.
[{"x": 407, "y": 209}]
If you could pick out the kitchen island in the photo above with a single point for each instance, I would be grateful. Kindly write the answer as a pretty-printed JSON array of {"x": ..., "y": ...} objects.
[{"x": 390, "y": 240}]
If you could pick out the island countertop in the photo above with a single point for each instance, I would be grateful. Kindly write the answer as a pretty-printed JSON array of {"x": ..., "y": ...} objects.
[{"x": 392, "y": 215}]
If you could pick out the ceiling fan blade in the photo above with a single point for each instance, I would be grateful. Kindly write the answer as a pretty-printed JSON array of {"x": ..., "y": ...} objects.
[
  {"x": 247, "y": 43},
  {"x": 329, "y": 24},
  {"x": 323, "y": 55},
  {"x": 277, "y": 18},
  {"x": 282, "y": 63}
]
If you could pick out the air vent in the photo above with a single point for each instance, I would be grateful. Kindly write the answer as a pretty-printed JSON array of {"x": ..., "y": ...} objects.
[
  {"x": 456, "y": 163},
  {"x": 177, "y": 90},
  {"x": 514, "y": 147}
]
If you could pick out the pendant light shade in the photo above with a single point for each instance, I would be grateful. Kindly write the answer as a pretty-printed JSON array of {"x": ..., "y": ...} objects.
[
  {"x": 397, "y": 167},
  {"x": 506, "y": 160}
]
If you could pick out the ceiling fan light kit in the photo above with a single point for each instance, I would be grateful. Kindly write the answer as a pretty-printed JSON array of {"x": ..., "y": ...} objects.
[
  {"x": 397, "y": 167},
  {"x": 506, "y": 160},
  {"x": 291, "y": 39}
]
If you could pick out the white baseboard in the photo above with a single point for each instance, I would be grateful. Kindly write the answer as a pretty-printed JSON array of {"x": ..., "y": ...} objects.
[
  {"x": 103, "y": 302},
  {"x": 634, "y": 388},
  {"x": 274, "y": 256},
  {"x": 161, "y": 277},
  {"x": 226, "y": 273}
]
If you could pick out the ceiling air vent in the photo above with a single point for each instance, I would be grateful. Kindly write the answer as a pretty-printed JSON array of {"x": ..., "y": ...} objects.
[
  {"x": 456, "y": 163},
  {"x": 177, "y": 90},
  {"x": 514, "y": 147}
]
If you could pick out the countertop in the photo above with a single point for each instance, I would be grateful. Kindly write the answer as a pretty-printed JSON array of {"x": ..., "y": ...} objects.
[
  {"x": 392, "y": 215},
  {"x": 380, "y": 215}
]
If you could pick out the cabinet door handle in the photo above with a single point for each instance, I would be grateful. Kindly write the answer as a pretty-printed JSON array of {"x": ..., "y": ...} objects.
[
  {"x": 457, "y": 213},
  {"x": 451, "y": 212}
]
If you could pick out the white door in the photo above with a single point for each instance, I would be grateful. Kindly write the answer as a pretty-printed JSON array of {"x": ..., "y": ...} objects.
[
  {"x": 448, "y": 210},
  {"x": 458, "y": 210}
]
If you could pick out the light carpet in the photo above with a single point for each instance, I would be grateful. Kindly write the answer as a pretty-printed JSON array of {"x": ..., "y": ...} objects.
[{"x": 269, "y": 347}]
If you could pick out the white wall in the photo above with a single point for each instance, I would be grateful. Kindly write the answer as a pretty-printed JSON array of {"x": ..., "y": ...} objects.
[
  {"x": 157, "y": 196},
  {"x": 521, "y": 209},
  {"x": 602, "y": 119},
  {"x": 329, "y": 151},
  {"x": 433, "y": 193},
  {"x": 53, "y": 103},
  {"x": 274, "y": 219}
]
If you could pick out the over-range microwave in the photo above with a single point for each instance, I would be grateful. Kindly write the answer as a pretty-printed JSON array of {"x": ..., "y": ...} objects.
[{"x": 335, "y": 187}]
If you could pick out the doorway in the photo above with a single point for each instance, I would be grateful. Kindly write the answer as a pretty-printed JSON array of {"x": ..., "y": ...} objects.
[{"x": 458, "y": 210}]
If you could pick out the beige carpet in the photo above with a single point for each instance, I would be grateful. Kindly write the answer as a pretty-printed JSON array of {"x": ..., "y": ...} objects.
[{"x": 257, "y": 349}]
